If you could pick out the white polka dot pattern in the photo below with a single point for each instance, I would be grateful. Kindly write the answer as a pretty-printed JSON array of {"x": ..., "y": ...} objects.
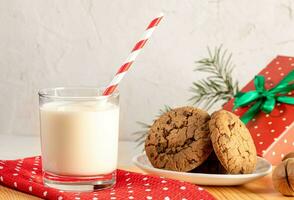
[
  {"x": 129, "y": 185},
  {"x": 285, "y": 140},
  {"x": 182, "y": 187}
]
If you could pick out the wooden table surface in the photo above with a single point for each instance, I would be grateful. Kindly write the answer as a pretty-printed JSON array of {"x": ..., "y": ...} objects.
[{"x": 259, "y": 189}]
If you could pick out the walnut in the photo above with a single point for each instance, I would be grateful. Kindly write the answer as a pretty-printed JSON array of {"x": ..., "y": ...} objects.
[
  {"x": 289, "y": 155},
  {"x": 283, "y": 176}
]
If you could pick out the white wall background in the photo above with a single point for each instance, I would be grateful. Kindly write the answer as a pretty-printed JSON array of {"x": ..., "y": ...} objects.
[{"x": 70, "y": 42}]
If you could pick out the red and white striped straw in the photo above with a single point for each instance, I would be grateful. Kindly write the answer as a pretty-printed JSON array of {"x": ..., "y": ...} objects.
[{"x": 132, "y": 56}]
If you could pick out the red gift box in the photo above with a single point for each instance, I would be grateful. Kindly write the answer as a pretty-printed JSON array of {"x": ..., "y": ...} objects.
[{"x": 273, "y": 133}]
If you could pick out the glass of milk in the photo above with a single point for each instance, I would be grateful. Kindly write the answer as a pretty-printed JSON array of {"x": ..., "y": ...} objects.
[{"x": 79, "y": 138}]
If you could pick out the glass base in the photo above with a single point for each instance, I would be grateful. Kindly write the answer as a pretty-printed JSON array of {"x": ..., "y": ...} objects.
[{"x": 79, "y": 184}]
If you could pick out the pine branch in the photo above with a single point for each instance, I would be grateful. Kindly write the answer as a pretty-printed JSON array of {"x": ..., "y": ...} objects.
[
  {"x": 219, "y": 85},
  {"x": 140, "y": 136},
  {"x": 164, "y": 110}
]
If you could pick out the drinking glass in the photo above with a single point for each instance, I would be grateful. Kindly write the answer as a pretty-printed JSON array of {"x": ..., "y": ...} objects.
[{"x": 79, "y": 137}]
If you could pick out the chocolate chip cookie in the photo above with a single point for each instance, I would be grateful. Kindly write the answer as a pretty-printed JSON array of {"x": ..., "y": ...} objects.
[
  {"x": 179, "y": 140},
  {"x": 232, "y": 143}
]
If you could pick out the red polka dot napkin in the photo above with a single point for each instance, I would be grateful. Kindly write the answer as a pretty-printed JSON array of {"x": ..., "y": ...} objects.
[{"x": 25, "y": 175}]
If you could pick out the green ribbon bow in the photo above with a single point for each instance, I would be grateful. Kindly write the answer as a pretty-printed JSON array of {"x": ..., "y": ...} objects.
[{"x": 262, "y": 99}]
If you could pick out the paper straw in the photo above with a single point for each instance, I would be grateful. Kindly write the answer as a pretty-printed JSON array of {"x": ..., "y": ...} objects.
[{"x": 132, "y": 56}]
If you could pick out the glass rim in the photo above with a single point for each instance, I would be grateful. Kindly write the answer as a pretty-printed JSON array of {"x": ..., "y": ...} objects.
[{"x": 44, "y": 92}]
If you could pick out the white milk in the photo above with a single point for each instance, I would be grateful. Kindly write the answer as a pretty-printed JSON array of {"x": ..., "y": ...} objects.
[{"x": 79, "y": 139}]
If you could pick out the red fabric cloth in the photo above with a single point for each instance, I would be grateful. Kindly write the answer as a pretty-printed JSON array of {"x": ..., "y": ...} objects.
[{"x": 26, "y": 175}]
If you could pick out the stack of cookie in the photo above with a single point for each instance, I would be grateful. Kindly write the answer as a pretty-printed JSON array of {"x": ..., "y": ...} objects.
[{"x": 189, "y": 139}]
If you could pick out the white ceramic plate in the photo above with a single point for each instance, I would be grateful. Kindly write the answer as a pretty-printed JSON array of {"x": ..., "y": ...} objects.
[{"x": 263, "y": 168}]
